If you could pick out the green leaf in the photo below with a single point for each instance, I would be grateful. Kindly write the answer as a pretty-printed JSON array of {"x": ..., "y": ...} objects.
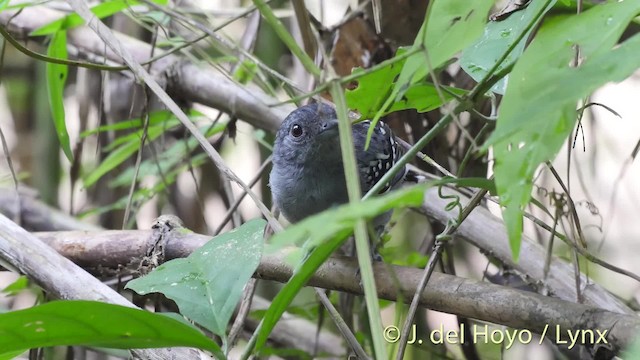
[
  {"x": 71, "y": 21},
  {"x": 452, "y": 25},
  {"x": 208, "y": 284},
  {"x": 56, "y": 79},
  {"x": 176, "y": 156},
  {"x": 321, "y": 235},
  {"x": 374, "y": 88},
  {"x": 498, "y": 37},
  {"x": 122, "y": 153},
  {"x": 3, "y": 4},
  {"x": 11, "y": 354},
  {"x": 15, "y": 287},
  {"x": 155, "y": 118},
  {"x": 246, "y": 71},
  {"x": 94, "y": 323},
  {"x": 424, "y": 97},
  {"x": 538, "y": 110},
  {"x": 449, "y": 26}
]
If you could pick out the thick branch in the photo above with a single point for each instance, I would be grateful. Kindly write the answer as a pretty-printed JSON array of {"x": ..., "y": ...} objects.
[
  {"x": 465, "y": 297},
  {"x": 481, "y": 228},
  {"x": 63, "y": 279},
  {"x": 38, "y": 216},
  {"x": 192, "y": 83},
  {"x": 487, "y": 232}
]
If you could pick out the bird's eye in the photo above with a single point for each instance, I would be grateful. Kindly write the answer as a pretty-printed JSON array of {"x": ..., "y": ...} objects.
[{"x": 296, "y": 130}]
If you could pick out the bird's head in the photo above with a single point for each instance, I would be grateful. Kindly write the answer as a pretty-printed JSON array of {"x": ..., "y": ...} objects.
[{"x": 309, "y": 133}]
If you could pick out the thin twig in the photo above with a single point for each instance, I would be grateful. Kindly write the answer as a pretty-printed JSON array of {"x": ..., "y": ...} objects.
[
  {"x": 452, "y": 226},
  {"x": 341, "y": 325},
  {"x": 243, "y": 312},
  {"x": 107, "y": 36},
  {"x": 235, "y": 205}
]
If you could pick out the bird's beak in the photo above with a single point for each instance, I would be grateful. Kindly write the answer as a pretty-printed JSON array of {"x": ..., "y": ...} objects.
[{"x": 329, "y": 127}]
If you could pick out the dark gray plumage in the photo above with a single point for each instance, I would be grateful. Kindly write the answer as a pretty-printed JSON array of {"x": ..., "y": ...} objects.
[{"x": 308, "y": 176}]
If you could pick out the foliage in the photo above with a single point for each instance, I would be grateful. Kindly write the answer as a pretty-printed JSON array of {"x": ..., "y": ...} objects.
[
  {"x": 531, "y": 59},
  {"x": 538, "y": 111},
  {"x": 208, "y": 284},
  {"x": 94, "y": 324}
]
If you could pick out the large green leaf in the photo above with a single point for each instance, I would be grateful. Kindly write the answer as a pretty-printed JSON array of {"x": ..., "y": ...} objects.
[
  {"x": 208, "y": 284},
  {"x": 56, "y": 79},
  {"x": 374, "y": 88},
  {"x": 449, "y": 27},
  {"x": 93, "y": 323},
  {"x": 538, "y": 110},
  {"x": 498, "y": 37}
]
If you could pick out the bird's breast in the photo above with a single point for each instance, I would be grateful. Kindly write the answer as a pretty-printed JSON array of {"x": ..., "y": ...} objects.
[{"x": 300, "y": 192}]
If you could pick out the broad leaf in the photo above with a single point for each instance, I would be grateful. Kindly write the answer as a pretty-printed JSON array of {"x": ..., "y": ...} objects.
[
  {"x": 92, "y": 323},
  {"x": 498, "y": 38},
  {"x": 374, "y": 88},
  {"x": 538, "y": 110},
  {"x": 208, "y": 284},
  {"x": 449, "y": 27}
]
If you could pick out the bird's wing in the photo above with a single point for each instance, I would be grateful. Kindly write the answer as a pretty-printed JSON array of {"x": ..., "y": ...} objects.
[{"x": 382, "y": 154}]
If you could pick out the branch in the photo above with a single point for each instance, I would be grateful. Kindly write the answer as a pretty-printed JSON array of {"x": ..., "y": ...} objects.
[
  {"x": 295, "y": 333},
  {"x": 487, "y": 232},
  {"x": 192, "y": 83},
  {"x": 62, "y": 279},
  {"x": 38, "y": 216},
  {"x": 473, "y": 299},
  {"x": 209, "y": 87},
  {"x": 482, "y": 229}
]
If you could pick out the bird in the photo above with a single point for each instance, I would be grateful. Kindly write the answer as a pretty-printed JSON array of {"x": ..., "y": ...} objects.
[{"x": 308, "y": 177}]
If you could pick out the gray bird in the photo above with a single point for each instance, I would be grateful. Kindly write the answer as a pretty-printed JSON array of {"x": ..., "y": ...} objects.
[{"x": 308, "y": 174}]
